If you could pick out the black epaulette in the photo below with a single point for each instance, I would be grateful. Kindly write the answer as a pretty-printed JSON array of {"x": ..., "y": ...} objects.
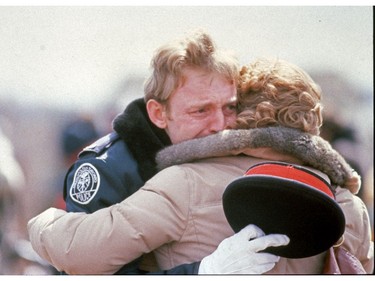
[{"x": 100, "y": 145}]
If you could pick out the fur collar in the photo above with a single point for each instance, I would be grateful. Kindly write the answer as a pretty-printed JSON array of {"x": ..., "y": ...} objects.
[
  {"x": 310, "y": 149},
  {"x": 142, "y": 137}
]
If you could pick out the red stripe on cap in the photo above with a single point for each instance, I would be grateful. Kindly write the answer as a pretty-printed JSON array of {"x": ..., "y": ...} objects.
[{"x": 291, "y": 172}]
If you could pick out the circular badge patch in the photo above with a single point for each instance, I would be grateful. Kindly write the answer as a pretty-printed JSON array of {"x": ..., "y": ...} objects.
[{"x": 85, "y": 184}]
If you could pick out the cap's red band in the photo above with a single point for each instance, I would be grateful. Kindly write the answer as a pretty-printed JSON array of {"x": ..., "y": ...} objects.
[{"x": 293, "y": 173}]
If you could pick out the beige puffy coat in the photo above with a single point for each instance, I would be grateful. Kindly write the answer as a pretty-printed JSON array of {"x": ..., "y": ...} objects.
[{"x": 178, "y": 215}]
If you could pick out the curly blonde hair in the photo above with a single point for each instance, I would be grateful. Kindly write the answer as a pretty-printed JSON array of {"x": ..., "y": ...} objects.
[
  {"x": 278, "y": 93},
  {"x": 197, "y": 50}
]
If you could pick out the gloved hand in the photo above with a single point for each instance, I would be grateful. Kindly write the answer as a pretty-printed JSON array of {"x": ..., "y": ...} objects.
[{"x": 238, "y": 255}]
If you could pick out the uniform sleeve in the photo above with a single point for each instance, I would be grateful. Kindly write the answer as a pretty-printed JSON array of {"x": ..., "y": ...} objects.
[
  {"x": 100, "y": 243},
  {"x": 99, "y": 181}
]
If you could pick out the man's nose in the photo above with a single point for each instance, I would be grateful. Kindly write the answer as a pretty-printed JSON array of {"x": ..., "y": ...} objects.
[{"x": 218, "y": 121}]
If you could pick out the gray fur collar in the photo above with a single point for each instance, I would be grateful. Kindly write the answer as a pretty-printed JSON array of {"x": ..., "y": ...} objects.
[{"x": 312, "y": 150}]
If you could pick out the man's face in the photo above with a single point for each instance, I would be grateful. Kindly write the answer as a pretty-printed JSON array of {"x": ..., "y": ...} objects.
[{"x": 204, "y": 105}]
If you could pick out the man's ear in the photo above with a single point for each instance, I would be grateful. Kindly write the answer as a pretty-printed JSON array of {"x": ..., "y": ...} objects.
[{"x": 156, "y": 113}]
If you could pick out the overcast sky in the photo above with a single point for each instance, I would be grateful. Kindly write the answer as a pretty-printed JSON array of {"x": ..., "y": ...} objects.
[{"x": 77, "y": 56}]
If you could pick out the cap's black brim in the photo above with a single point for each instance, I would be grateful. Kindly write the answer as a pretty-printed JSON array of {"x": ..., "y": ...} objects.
[{"x": 311, "y": 219}]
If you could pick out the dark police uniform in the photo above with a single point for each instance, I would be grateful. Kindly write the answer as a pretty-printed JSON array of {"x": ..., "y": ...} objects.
[
  {"x": 99, "y": 177},
  {"x": 116, "y": 166}
]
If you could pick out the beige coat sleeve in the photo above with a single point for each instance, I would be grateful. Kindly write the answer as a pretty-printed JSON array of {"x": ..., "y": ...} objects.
[
  {"x": 357, "y": 236},
  {"x": 102, "y": 242}
]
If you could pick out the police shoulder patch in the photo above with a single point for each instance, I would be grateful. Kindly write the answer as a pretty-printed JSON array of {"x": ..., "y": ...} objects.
[{"x": 85, "y": 184}]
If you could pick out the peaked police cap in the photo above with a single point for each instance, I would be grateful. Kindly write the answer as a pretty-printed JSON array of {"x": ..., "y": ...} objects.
[{"x": 288, "y": 199}]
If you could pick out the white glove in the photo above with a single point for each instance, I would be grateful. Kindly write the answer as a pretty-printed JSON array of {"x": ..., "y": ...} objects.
[{"x": 238, "y": 255}]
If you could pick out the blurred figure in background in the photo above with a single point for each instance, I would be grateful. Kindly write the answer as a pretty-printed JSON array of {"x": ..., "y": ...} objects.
[{"x": 16, "y": 254}]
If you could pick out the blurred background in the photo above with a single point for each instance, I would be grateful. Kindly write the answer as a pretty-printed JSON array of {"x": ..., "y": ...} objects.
[{"x": 65, "y": 72}]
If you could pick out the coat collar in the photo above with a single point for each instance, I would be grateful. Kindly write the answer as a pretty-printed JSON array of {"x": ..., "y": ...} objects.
[
  {"x": 309, "y": 149},
  {"x": 142, "y": 137}
]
